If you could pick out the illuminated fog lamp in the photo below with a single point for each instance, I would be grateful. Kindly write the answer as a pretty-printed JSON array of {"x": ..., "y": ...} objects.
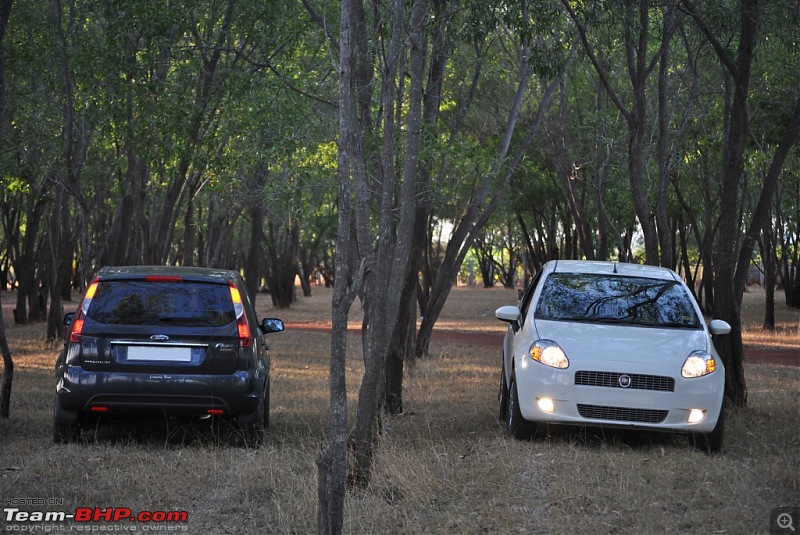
[
  {"x": 546, "y": 405},
  {"x": 696, "y": 415}
]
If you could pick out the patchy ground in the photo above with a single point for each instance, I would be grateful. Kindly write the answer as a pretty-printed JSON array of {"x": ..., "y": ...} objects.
[{"x": 752, "y": 355}]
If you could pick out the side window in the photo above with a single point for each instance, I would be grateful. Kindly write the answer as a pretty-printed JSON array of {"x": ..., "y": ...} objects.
[{"x": 525, "y": 302}]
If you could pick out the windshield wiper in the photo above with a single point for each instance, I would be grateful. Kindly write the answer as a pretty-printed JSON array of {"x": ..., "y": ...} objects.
[
  {"x": 616, "y": 321},
  {"x": 669, "y": 325}
]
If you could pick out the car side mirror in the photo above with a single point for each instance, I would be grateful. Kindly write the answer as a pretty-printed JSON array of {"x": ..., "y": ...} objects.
[
  {"x": 272, "y": 325},
  {"x": 69, "y": 318},
  {"x": 509, "y": 314},
  {"x": 719, "y": 327}
]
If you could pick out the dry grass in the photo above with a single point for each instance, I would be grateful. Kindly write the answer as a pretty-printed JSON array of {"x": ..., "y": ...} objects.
[{"x": 443, "y": 467}]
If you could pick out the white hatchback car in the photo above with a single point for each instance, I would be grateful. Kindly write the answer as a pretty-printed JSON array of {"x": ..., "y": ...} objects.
[{"x": 607, "y": 344}]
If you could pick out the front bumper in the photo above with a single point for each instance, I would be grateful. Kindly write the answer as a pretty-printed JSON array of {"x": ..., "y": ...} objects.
[{"x": 603, "y": 406}]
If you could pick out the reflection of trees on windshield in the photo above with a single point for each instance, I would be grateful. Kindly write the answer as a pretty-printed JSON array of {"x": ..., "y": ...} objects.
[
  {"x": 600, "y": 298},
  {"x": 186, "y": 304}
]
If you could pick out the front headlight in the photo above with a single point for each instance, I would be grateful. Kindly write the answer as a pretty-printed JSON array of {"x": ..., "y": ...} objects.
[
  {"x": 549, "y": 353},
  {"x": 698, "y": 364}
]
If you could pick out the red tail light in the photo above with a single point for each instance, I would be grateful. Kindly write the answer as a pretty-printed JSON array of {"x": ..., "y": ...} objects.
[
  {"x": 245, "y": 338},
  {"x": 77, "y": 329},
  {"x": 244, "y": 332}
]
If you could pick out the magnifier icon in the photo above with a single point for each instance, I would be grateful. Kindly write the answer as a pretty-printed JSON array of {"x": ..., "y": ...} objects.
[{"x": 785, "y": 521}]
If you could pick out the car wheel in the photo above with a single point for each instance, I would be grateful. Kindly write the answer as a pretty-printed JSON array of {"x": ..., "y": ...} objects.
[
  {"x": 64, "y": 432},
  {"x": 503, "y": 395},
  {"x": 516, "y": 425},
  {"x": 711, "y": 442},
  {"x": 252, "y": 426}
]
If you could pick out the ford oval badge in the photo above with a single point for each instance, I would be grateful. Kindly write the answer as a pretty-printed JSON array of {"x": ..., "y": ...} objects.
[{"x": 159, "y": 337}]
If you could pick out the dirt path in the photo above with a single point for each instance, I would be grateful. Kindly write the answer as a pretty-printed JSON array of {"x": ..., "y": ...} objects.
[{"x": 752, "y": 355}]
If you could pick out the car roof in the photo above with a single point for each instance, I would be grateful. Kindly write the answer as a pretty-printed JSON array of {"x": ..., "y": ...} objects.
[
  {"x": 187, "y": 272},
  {"x": 610, "y": 268}
]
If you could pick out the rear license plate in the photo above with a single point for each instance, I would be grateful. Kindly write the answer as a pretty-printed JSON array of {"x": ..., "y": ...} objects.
[{"x": 160, "y": 354}]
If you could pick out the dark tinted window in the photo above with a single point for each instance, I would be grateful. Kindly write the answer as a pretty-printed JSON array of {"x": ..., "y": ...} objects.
[
  {"x": 604, "y": 299},
  {"x": 190, "y": 304}
]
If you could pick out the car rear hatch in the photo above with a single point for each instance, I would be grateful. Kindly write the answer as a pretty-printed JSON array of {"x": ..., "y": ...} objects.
[{"x": 160, "y": 325}]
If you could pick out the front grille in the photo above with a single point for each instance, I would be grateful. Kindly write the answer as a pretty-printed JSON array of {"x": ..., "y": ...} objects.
[
  {"x": 637, "y": 381},
  {"x": 622, "y": 414}
]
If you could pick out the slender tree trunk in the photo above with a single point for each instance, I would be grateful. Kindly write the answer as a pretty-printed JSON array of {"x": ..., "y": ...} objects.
[
  {"x": 5, "y": 118},
  {"x": 768, "y": 256},
  {"x": 60, "y": 256},
  {"x": 257, "y": 211},
  {"x": 189, "y": 233},
  {"x": 332, "y": 462},
  {"x": 730, "y": 250},
  {"x": 8, "y": 370}
]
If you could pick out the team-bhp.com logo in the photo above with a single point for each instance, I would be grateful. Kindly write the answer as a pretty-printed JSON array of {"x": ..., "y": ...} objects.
[{"x": 94, "y": 514}]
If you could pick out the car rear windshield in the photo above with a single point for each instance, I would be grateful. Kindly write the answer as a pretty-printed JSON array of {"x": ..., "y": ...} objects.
[
  {"x": 625, "y": 300},
  {"x": 137, "y": 302}
]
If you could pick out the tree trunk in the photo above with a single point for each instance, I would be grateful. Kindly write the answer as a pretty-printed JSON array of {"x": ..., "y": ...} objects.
[
  {"x": 282, "y": 250},
  {"x": 768, "y": 256},
  {"x": 252, "y": 265},
  {"x": 401, "y": 346},
  {"x": 332, "y": 463},
  {"x": 60, "y": 258},
  {"x": 8, "y": 370},
  {"x": 187, "y": 254},
  {"x": 26, "y": 292}
]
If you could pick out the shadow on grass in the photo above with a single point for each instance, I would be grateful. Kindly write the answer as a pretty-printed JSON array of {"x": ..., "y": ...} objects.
[
  {"x": 211, "y": 431},
  {"x": 600, "y": 437}
]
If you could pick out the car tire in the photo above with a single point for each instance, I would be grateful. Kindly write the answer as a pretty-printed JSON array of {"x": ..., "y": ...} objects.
[
  {"x": 64, "y": 432},
  {"x": 503, "y": 395},
  {"x": 252, "y": 425},
  {"x": 711, "y": 442},
  {"x": 516, "y": 425}
]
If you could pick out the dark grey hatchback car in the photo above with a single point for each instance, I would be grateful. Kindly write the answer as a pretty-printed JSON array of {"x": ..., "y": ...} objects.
[{"x": 164, "y": 341}]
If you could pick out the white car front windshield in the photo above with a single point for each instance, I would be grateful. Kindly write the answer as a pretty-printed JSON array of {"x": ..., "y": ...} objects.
[{"x": 600, "y": 298}]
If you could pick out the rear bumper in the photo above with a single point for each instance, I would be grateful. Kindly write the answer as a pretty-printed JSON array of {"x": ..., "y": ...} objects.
[{"x": 113, "y": 393}]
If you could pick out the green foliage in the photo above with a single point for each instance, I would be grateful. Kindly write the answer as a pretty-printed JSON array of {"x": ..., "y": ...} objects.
[{"x": 170, "y": 91}]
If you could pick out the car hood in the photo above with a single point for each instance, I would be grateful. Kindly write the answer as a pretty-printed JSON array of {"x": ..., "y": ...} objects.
[{"x": 592, "y": 342}]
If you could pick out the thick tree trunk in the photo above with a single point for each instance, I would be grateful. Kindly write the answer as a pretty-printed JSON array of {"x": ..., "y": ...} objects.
[
  {"x": 26, "y": 292},
  {"x": 284, "y": 243}
]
